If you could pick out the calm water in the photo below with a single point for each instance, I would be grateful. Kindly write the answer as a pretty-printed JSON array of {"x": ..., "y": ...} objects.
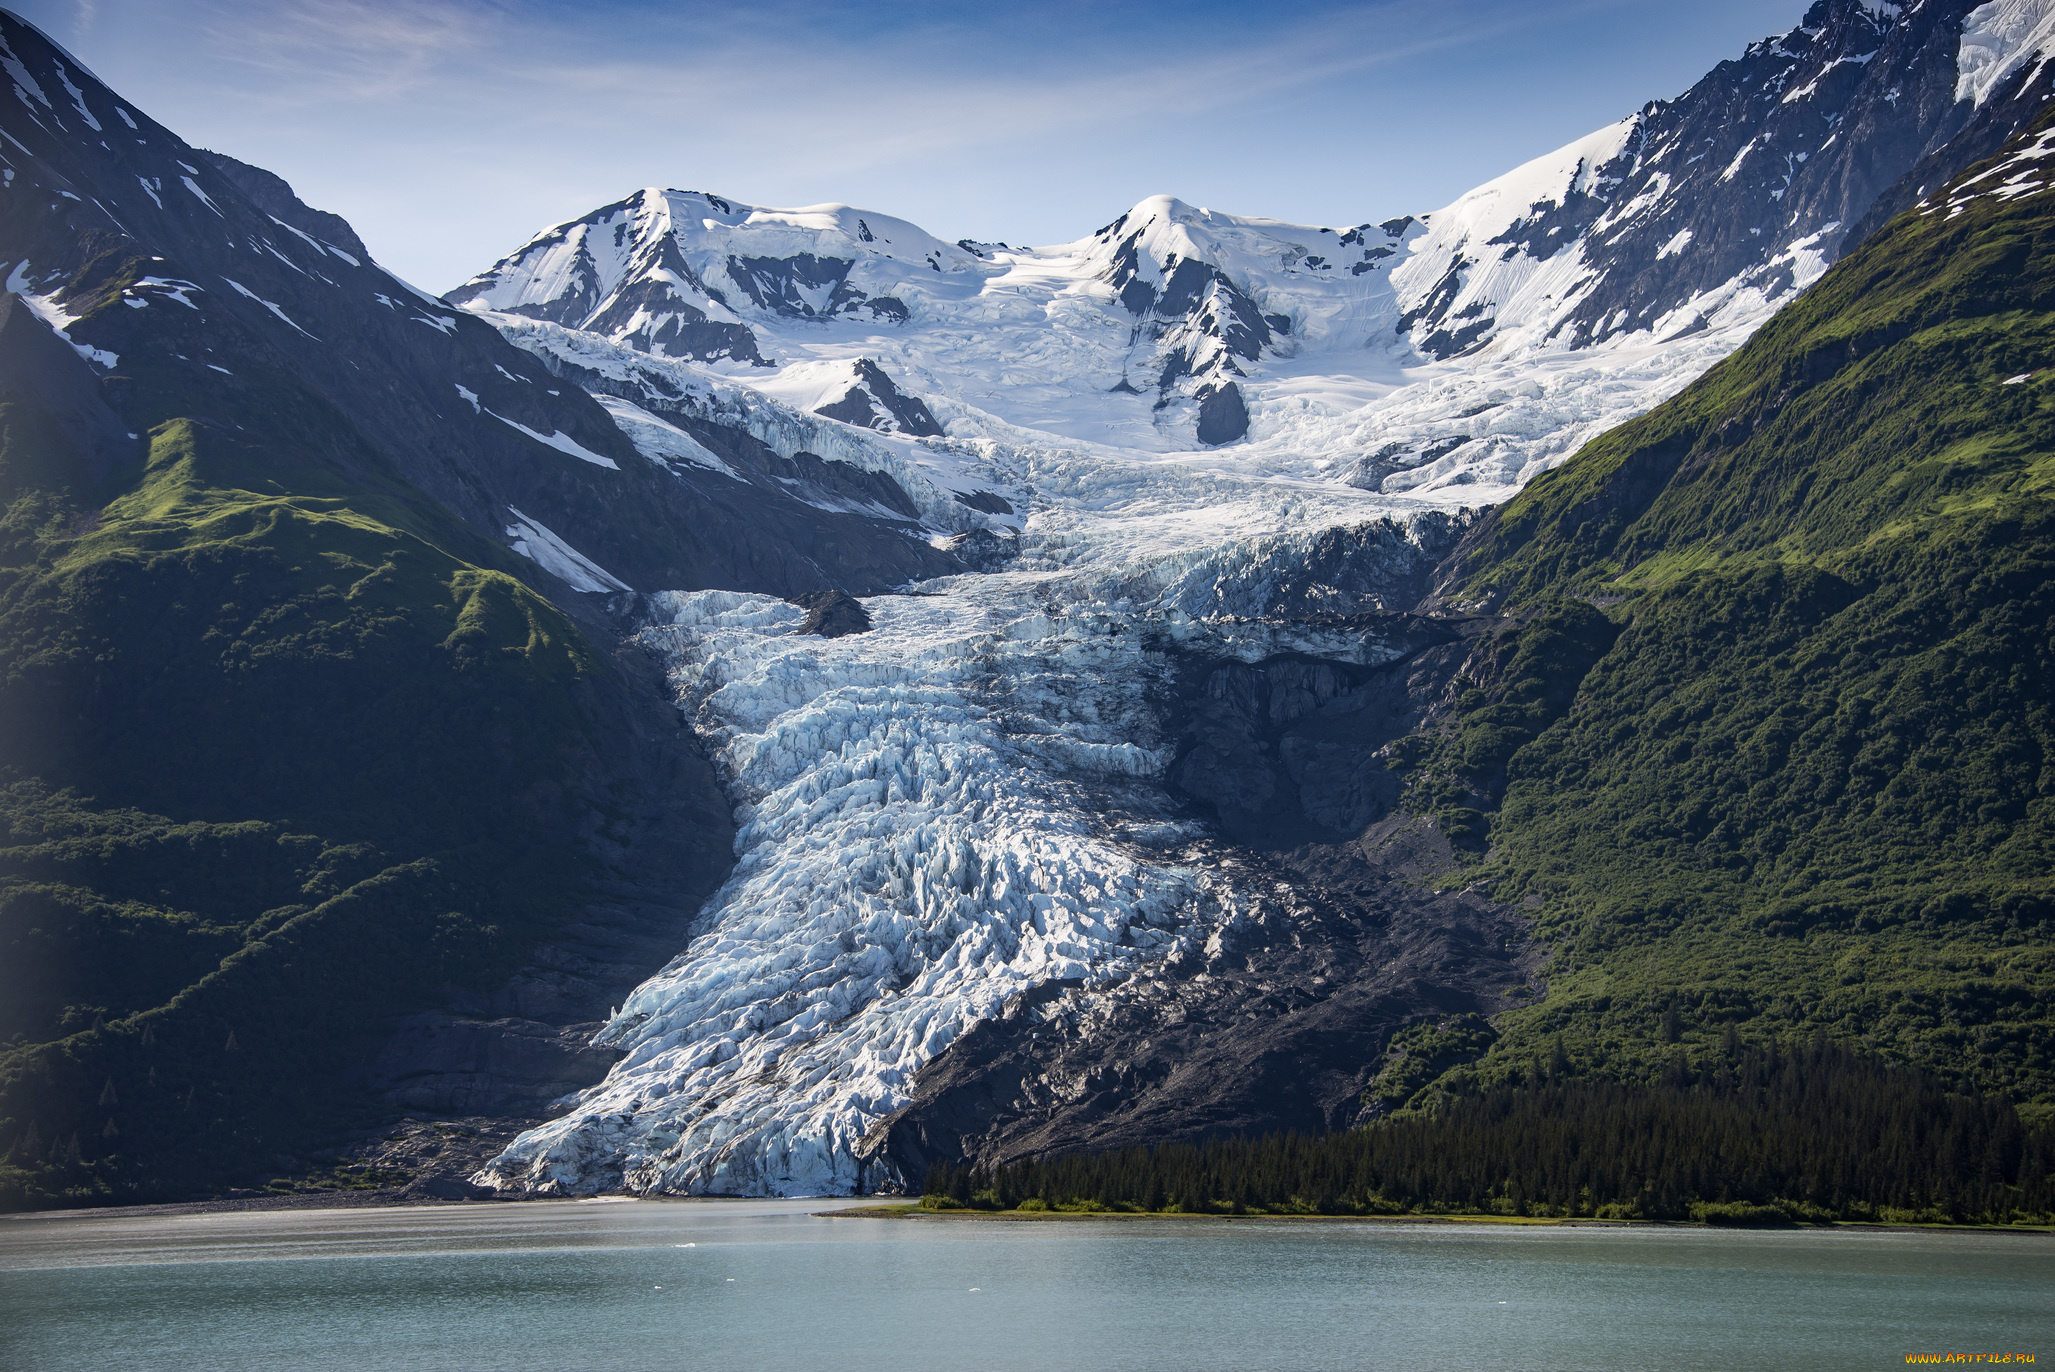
[{"x": 608, "y": 1285}]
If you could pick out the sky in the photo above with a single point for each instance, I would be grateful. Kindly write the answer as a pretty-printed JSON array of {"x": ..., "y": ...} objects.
[{"x": 450, "y": 131}]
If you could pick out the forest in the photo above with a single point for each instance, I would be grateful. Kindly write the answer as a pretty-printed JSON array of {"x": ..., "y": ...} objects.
[{"x": 1758, "y": 1135}]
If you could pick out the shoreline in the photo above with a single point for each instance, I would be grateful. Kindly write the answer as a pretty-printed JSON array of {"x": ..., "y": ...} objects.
[
  {"x": 393, "y": 1198},
  {"x": 915, "y": 1212},
  {"x": 400, "y": 1198}
]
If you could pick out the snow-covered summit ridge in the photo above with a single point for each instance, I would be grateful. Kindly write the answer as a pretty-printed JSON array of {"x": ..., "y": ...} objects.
[{"x": 1177, "y": 327}]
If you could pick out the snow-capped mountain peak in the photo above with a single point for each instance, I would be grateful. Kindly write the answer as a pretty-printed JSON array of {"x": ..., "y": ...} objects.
[{"x": 685, "y": 273}]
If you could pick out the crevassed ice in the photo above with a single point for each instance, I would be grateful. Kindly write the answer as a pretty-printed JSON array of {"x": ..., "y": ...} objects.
[
  {"x": 913, "y": 852},
  {"x": 1997, "y": 40},
  {"x": 934, "y": 817}
]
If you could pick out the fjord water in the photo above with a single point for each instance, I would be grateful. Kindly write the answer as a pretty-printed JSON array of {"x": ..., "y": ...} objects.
[{"x": 674, "y": 1285}]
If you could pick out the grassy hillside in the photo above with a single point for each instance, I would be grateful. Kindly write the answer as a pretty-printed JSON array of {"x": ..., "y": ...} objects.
[
  {"x": 1807, "y": 782},
  {"x": 279, "y": 757}
]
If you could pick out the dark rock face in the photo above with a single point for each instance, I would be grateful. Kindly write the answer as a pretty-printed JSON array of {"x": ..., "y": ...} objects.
[
  {"x": 990, "y": 502},
  {"x": 494, "y": 1063},
  {"x": 1203, "y": 321},
  {"x": 1223, "y": 417},
  {"x": 270, "y": 193},
  {"x": 1280, "y": 1026},
  {"x": 1281, "y": 1022},
  {"x": 682, "y": 329},
  {"x": 831, "y": 614},
  {"x": 876, "y": 403},
  {"x": 1796, "y": 142},
  {"x": 441, "y": 1063},
  {"x": 267, "y": 294},
  {"x": 675, "y": 325},
  {"x": 2008, "y": 110},
  {"x": 36, "y": 367},
  {"x": 788, "y": 524},
  {"x": 1292, "y": 751},
  {"x": 780, "y": 284}
]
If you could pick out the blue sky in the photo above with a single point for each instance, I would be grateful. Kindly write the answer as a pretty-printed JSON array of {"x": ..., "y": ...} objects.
[{"x": 449, "y": 131}]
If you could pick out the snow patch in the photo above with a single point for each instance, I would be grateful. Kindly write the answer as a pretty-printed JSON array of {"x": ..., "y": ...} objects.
[
  {"x": 243, "y": 290},
  {"x": 535, "y": 541},
  {"x": 25, "y": 85},
  {"x": 169, "y": 287},
  {"x": 205, "y": 199},
  {"x": 563, "y": 443},
  {"x": 78, "y": 97},
  {"x": 46, "y": 308},
  {"x": 659, "y": 440}
]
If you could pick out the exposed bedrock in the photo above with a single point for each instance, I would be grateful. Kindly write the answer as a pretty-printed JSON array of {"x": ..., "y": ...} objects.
[
  {"x": 1282, "y": 1025},
  {"x": 832, "y": 614},
  {"x": 1281, "y": 1021},
  {"x": 661, "y": 835}
]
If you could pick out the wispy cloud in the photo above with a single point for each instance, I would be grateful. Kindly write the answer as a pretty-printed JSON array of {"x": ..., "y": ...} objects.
[
  {"x": 813, "y": 97},
  {"x": 358, "y": 49},
  {"x": 450, "y": 130}
]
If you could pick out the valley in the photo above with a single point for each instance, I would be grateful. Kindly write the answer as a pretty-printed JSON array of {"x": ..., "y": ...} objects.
[{"x": 1251, "y": 676}]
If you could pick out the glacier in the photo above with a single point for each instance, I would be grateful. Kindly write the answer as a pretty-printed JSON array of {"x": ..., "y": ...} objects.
[
  {"x": 968, "y": 803},
  {"x": 935, "y": 816}
]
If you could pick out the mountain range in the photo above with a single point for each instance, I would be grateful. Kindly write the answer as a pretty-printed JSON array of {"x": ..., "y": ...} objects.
[{"x": 751, "y": 700}]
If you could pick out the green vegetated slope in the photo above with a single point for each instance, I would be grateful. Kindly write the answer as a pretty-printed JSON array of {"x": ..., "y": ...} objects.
[
  {"x": 1769, "y": 744},
  {"x": 278, "y": 757}
]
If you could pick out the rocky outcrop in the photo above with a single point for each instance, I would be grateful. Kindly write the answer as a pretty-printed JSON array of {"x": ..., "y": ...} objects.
[
  {"x": 1280, "y": 1021},
  {"x": 832, "y": 614}
]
